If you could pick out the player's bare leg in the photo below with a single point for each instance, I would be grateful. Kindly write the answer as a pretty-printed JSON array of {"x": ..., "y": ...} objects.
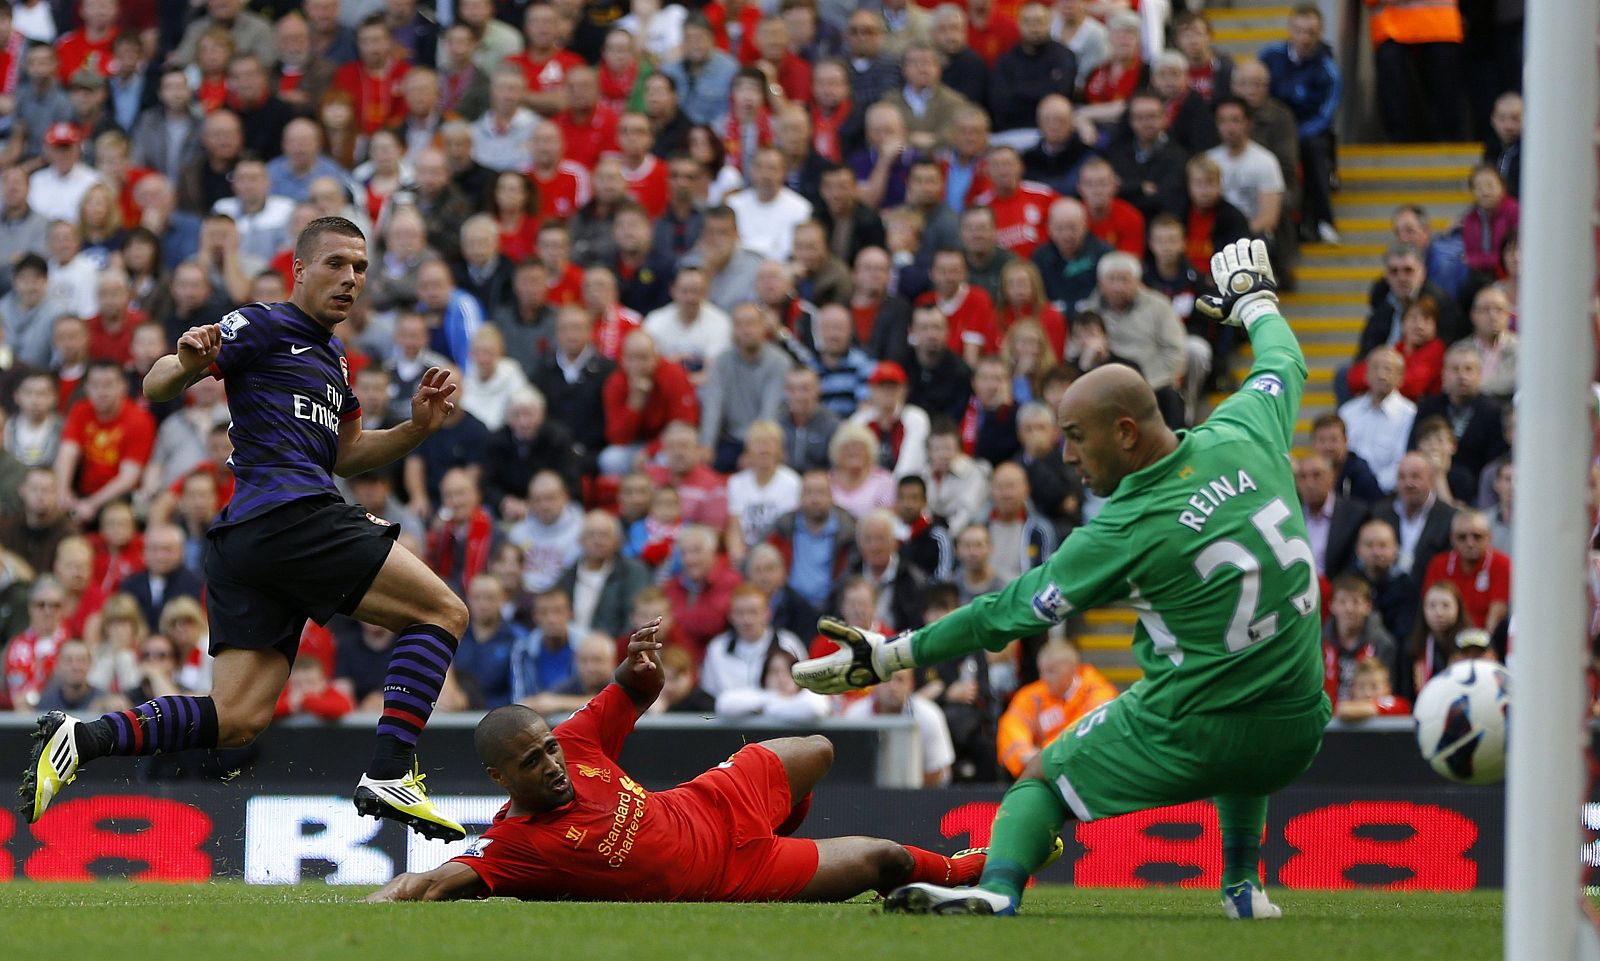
[
  {"x": 409, "y": 599},
  {"x": 850, "y": 866},
  {"x": 847, "y": 867},
  {"x": 245, "y": 686},
  {"x": 245, "y": 689},
  {"x": 806, "y": 761}
]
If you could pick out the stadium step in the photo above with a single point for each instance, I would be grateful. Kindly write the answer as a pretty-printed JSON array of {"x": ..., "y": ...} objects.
[
  {"x": 1353, "y": 156},
  {"x": 1349, "y": 203},
  {"x": 1241, "y": 31},
  {"x": 1375, "y": 231}
]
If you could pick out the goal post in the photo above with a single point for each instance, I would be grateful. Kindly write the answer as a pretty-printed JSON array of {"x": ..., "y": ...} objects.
[{"x": 1544, "y": 794}]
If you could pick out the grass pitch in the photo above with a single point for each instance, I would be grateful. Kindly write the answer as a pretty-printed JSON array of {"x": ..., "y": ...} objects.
[{"x": 234, "y": 922}]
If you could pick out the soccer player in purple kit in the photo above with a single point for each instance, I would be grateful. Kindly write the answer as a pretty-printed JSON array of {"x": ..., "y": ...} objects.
[{"x": 288, "y": 547}]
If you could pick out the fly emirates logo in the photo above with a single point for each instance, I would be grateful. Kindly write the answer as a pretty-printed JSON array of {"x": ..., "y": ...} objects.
[
  {"x": 327, "y": 415},
  {"x": 625, "y": 821}
]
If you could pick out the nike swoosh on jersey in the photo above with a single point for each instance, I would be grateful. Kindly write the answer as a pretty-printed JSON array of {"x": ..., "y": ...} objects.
[{"x": 296, "y": 350}]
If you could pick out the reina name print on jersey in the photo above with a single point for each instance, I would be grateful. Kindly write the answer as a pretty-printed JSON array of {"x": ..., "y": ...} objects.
[{"x": 1211, "y": 496}]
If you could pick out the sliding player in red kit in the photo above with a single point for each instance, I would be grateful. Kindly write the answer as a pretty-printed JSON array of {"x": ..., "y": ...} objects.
[{"x": 576, "y": 826}]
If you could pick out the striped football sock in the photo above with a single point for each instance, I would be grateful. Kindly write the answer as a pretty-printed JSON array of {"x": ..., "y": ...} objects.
[
  {"x": 163, "y": 725},
  {"x": 417, "y": 667}
]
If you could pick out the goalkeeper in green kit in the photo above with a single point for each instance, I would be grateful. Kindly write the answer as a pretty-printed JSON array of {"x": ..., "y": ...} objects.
[{"x": 1202, "y": 535}]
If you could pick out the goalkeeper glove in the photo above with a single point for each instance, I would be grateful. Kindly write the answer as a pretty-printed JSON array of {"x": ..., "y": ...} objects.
[
  {"x": 1246, "y": 287},
  {"x": 864, "y": 658}
]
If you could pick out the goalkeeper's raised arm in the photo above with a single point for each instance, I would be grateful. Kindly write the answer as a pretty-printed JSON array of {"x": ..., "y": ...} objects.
[
  {"x": 1112, "y": 430},
  {"x": 1269, "y": 401}
]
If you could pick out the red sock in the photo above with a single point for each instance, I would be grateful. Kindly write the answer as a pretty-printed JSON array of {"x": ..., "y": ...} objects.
[
  {"x": 937, "y": 869},
  {"x": 797, "y": 814}
]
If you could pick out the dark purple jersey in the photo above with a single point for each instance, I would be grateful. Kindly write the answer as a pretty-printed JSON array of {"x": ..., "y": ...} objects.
[{"x": 288, "y": 391}]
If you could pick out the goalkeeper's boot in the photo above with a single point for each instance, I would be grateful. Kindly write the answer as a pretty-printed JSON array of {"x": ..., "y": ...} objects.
[
  {"x": 52, "y": 766},
  {"x": 1246, "y": 902},
  {"x": 1056, "y": 851},
  {"x": 864, "y": 658},
  {"x": 405, "y": 800},
  {"x": 925, "y": 898}
]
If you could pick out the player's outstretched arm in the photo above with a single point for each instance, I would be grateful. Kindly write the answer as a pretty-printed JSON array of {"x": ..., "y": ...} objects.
[
  {"x": 1248, "y": 297},
  {"x": 450, "y": 881},
  {"x": 171, "y": 375},
  {"x": 363, "y": 450},
  {"x": 640, "y": 672}
]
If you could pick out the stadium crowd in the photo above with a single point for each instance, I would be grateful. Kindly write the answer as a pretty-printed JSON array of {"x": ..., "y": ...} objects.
[{"x": 758, "y": 312}]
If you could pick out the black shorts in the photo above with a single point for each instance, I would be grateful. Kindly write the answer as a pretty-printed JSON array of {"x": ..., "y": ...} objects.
[{"x": 313, "y": 558}]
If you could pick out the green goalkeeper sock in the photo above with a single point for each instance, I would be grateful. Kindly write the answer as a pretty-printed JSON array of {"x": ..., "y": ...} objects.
[
  {"x": 1024, "y": 834},
  {"x": 1243, "y": 819}
]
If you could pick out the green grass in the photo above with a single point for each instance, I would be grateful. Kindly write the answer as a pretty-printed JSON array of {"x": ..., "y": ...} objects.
[{"x": 233, "y": 922}]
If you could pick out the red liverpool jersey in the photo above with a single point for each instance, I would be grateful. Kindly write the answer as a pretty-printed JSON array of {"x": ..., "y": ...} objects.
[
  {"x": 647, "y": 184},
  {"x": 590, "y": 137},
  {"x": 564, "y": 192},
  {"x": 971, "y": 316},
  {"x": 1020, "y": 219},
  {"x": 704, "y": 840},
  {"x": 547, "y": 74},
  {"x": 1122, "y": 227},
  {"x": 567, "y": 288},
  {"x": 378, "y": 102}
]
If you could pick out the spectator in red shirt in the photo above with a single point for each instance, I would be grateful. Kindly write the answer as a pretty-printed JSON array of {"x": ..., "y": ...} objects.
[
  {"x": 641, "y": 397},
  {"x": 462, "y": 537},
  {"x": 613, "y": 322},
  {"x": 1210, "y": 222},
  {"x": 793, "y": 73},
  {"x": 702, "y": 591},
  {"x": 1020, "y": 207},
  {"x": 1351, "y": 635},
  {"x": 834, "y": 124},
  {"x": 543, "y": 62},
  {"x": 1481, "y": 573},
  {"x": 373, "y": 80},
  {"x": 118, "y": 547},
  {"x": 565, "y": 278},
  {"x": 308, "y": 692},
  {"x": 1421, "y": 349},
  {"x": 1117, "y": 222},
  {"x": 515, "y": 209},
  {"x": 702, "y": 491},
  {"x": 969, "y": 309},
  {"x": 1022, "y": 293},
  {"x": 111, "y": 330},
  {"x": 90, "y": 45},
  {"x": 30, "y": 657},
  {"x": 1370, "y": 694},
  {"x": 563, "y": 184},
  {"x": 74, "y": 571},
  {"x": 989, "y": 33},
  {"x": 645, "y": 173},
  {"x": 1107, "y": 88},
  {"x": 105, "y": 443},
  {"x": 588, "y": 126}
]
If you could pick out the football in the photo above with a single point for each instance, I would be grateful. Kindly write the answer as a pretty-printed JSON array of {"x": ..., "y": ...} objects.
[{"x": 1461, "y": 721}]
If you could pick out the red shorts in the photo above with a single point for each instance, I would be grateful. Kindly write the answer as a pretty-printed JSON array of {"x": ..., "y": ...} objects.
[{"x": 752, "y": 791}]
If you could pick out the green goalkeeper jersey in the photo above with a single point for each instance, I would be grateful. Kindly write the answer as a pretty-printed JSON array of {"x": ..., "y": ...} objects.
[{"x": 1208, "y": 546}]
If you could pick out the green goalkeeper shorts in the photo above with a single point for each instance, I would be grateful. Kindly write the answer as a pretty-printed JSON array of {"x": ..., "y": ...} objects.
[{"x": 1124, "y": 757}]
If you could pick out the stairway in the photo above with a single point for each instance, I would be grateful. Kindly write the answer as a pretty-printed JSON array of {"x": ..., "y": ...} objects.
[
  {"x": 1242, "y": 30},
  {"x": 1328, "y": 307}
]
